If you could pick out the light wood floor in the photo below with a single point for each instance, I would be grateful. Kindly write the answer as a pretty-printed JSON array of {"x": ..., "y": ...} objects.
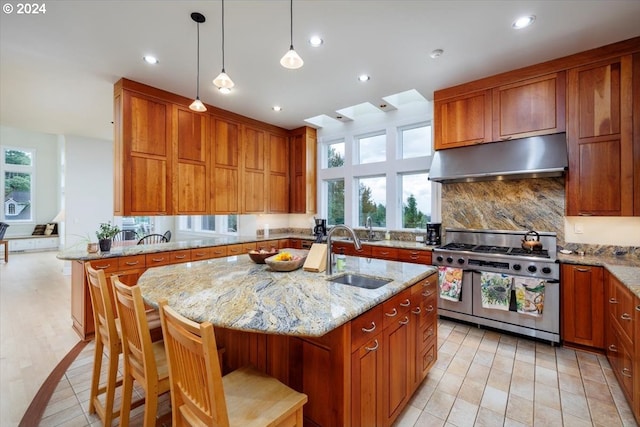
[{"x": 482, "y": 378}]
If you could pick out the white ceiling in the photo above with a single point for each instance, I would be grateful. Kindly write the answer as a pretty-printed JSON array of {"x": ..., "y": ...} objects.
[{"x": 57, "y": 69}]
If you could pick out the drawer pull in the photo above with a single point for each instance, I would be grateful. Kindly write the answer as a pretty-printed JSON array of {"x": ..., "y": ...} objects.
[
  {"x": 371, "y": 329},
  {"x": 416, "y": 311},
  {"x": 157, "y": 259},
  {"x": 613, "y": 348},
  {"x": 132, "y": 262},
  {"x": 405, "y": 321},
  {"x": 101, "y": 267},
  {"x": 583, "y": 270},
  {"x": 414, "y": 257},
  {"x": 430, "y": 309},
  {"x": 430, "y": 332},
  {"x": 625, "y": 316},
  {"x": 427, "y": 293},
  {"x": 637, "y": 307},
  {"x": 393, "y": 313},
  {"x": 181, "y": 256},
  {"x": 406, "y": 303},
  {"x": 199, "y": 253},
  {"x": 626, "y": 372},
  {"x": 374, "y": 348},
  {"x": 613, "y": 301}
]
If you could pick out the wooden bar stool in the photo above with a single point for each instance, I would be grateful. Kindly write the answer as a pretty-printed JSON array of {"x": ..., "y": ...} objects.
[{"x": 201, "y": 396}]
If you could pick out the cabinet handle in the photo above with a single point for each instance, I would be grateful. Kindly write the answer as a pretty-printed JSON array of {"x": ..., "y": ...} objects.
[
  {"x": 406, "y": 303},
  {"x": 430, "y": 309},
  {"x": 416, "y": 311},
  {"x": 613, "y": 301},
  {"x": 414, "y": 257},
  {"x": 430, "y": 332},
  {"x": 405, "y": 321},
  {"x": 637, "y": 307},
  {"x": 374, "y": 348},
  {"x": 181, "y": 256},
  {"x": 625, "y": 316},
  {"x": 132, "y": 262},
  {"x": 613, "y": 348},
  {"x": 427, "y": 293},
  {"x": 157, "y": 259},
  {"x": 199, "y": 253},
  {"x": 583, "y": 270},
  {"x": 371, "y": 329},
  {"x": 585, "y": 214},
  {"x": 626, "y": 372},
  {"x": 102, "y": 267},
  {"x": 393, "y": 313}
]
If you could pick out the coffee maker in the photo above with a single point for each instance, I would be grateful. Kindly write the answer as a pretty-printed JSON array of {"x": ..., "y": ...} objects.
[
  {"x": 433, "y": 234},
  {"x": 320, "y": 229}
]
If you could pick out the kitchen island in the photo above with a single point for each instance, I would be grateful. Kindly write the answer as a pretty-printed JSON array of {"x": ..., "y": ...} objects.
[{"x": 358, "y": 354}]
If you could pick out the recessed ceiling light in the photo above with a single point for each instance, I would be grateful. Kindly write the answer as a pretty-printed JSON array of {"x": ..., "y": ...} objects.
[
  {"x": 315, "y": 41},
  {"x": 150, "y": 59},
  {"x": 436, "y": 53},
  {"x": 523, "y": 21},
  {"x": 364, "y": 77},
  {"x": 276, "y": 108}
]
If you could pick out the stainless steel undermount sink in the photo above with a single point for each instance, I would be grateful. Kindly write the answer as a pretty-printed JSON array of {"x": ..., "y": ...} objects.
[{"x": 359, "y": 280}]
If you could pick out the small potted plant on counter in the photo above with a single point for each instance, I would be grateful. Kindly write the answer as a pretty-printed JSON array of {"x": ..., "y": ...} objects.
[{"x": 105, "y": 234}]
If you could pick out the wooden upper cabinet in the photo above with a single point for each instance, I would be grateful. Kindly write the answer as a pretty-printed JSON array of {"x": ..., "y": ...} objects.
[
  {"x": 303, "y": 171},
  {"x": 600, "y": 139},
  {"x": 254, "y": 179},
  {"x": 529, "y": 108},
  {"x": 278, "y": 184},
  {"x": 225, "y": 143},
  {"x": 191, "y": 158},
  {"x": 141, "y": 154},
  {"x": 463, "y": 120}
]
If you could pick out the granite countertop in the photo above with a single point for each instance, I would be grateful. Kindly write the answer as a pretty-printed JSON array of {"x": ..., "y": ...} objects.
[
  {"x": 235, "y": 293},
  {"x": 624, "y": 268}
]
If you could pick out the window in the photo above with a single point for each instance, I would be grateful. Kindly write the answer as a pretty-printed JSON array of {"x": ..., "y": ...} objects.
[
  {"x": 416, "y": 200},
  {"x": 335, "y": 154},
  {"x": 372, "y": 149},
  {"x": 415, "y": 141},
  {"x": 219, "y": 224},
  {"x": 18, "y": 168},
  {"x": 335, "y": 201},
  {"x": 141, "y": 225},
  {"x": 372, "y": 194}
]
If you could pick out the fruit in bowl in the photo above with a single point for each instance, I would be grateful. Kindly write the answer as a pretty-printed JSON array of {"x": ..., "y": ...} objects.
[
  {"x": 287, "y": 260},
  {"x": 258, "y": 256}
]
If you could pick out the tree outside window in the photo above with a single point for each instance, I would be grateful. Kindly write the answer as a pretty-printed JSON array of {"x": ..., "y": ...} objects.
[
  {"x": 372, "y": 201},
  {"x": 18, "y": 168},
  {"x": 416, "y": 205},
  {"x": 335, "y": 201}
]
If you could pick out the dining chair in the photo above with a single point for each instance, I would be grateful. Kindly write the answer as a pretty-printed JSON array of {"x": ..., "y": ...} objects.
[
  {"x": 152, "y": 238},
  {"x": 144, "y": 361},
  {"x": 167, "y": 235},
  {"x": 108, "y": 343},
  {"x": 125, "y": 235},
  {"x": 201, "y": 396}
]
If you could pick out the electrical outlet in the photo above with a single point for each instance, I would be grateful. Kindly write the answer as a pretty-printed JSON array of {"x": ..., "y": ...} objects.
[
  {"x": 419, "y": 238},
  {"x": 578, "y": 228}
]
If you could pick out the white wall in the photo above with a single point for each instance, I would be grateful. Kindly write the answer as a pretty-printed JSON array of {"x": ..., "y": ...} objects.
[
  {"x": 88, "y": 188},
  {"x": 46, "y": 184},
  {"x": 617, "y": 231}
]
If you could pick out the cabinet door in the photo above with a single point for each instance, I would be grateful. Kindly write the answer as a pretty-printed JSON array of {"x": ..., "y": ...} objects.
[
  {"x": 367, "y": 383},
  {"x": 415, "y": 256},
  {"x": 303, "y": 171},
  {"x": 142, "y": 165},
  {"x": 600, "y": 146},
  {"x": 383, "y": 252},
  {"x": 528, "y": 108},
  {"x": 278, "y": 174},
  {"x": 225, "y": 167},
  {"x": 254, "y": 178},
  {"x": 190, "y": 154},
  {"x": 583, "y": 305},
  {"x": 463, "y": 120},
  {"x": 397, "y": 347}
]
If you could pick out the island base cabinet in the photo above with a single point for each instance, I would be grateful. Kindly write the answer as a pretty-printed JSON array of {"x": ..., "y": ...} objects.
[{"x": 366, "y": 383}]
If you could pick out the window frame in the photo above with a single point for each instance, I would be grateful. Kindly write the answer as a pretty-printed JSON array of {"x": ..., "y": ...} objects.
[{"x": 31, "y": 170}]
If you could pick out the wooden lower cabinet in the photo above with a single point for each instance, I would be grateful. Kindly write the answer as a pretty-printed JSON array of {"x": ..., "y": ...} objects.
[{"x": 583, "y": 305}]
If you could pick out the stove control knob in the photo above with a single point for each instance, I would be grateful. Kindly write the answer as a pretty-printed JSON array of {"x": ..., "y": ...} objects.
[
  {"x": 532, "y": 269},
  {"x": 460, "y": 261},
  {"x": 516, "y": 267},
  {"x": 449, "y": 259},
  {"x": 439, "y": 258},
  {"x": 546, "y": 270}
]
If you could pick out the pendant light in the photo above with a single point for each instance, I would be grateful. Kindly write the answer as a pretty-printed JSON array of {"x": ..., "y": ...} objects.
[
  {"x": 197, "y": 105},
  {"x": 291, "y": 59},
  {"x": 223, "y": 82}
]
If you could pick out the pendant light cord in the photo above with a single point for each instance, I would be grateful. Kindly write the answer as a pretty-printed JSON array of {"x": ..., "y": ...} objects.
[
  {"x": 198, "y": 62},
  {"x": 291, "y": 22},
  {"x": 223, "y": 36}
]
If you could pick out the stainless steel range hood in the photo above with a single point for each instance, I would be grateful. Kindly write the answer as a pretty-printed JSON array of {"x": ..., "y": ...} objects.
[{"x": 534, "y": 157}]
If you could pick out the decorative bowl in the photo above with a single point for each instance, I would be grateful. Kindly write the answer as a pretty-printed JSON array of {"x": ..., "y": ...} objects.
[
  {"x": 298, "y": 257},
  {"x": 259, "y": 256}
]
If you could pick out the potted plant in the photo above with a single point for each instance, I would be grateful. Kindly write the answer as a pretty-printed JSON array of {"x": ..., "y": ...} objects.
[{"x": 105, "y": 234}]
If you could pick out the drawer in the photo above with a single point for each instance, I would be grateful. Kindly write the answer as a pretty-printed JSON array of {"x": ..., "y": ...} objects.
[
  {"x": 267, "y": 246},
  {"x": 234, "y": 250},
  {"x": 394, "y": 308},
  {"x": 218, "y": 251},
  {"x": 429, "y": 310},
  {"x": 382, "y": 252},
  {"x": 201, "y": 253},
  {"x": 428, "y": 332},
  {"x": 349, "y": 249},
  {"x": 154, "y": 260},
  {"x": 365, "y": 326},
  {"x": 130, "y": 262},
  {"x": 284, "y": 243},
  {"x": 246, "y": 247},
  {"x": 180, "y": 256},
  {"x": 108, "y": 264},
  {"x": 415, "y": 256},
  {"x": 427, "y": 359}
]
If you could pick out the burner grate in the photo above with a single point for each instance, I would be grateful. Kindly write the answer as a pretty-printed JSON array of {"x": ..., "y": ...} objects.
[
  {"x": 491, "y": 249},
  {"x": 542, "y": 253},
  {"x": 458, "y": 246}
]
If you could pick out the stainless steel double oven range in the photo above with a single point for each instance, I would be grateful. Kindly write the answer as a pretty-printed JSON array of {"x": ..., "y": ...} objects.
[{"x": 499, "y": 251}]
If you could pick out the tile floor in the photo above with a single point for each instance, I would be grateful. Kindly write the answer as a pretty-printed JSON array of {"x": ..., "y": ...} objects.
[{"x": 482, "y": 378}]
